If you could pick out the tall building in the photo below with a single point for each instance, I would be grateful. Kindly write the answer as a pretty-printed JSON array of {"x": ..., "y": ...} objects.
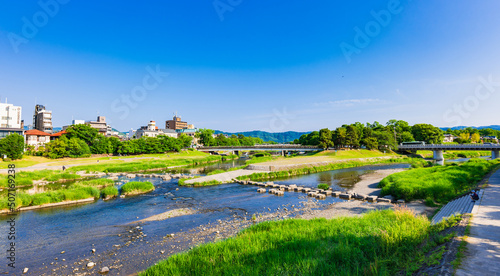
[
  {"x": 10, "y": 116},
  {"x": 10, "y": 120},
  {"x": 176, "y": 123},
  {"x": 42, "y": 119}
]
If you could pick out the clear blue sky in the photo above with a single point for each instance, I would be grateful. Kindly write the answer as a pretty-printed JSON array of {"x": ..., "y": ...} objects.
[{"x": 267, "y": 65}]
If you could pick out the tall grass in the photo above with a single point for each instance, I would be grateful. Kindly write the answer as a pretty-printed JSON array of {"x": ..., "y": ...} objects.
[
  {"x": 136, "y": 187},
  {"x": 315, "y": 169},
  {"x": 439, "y": 183},
  {"x": 110, "y": 191},
  {"x": 25, "y": 178},
  {"x": 100, "y": 182},
  {"x": 378, "y": 243},
  {"x": 75, "y": 192}
]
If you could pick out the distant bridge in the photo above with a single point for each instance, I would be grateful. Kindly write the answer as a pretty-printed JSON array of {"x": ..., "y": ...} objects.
[
  {"x": 280, "y": 147},
  {"x": 438, "y": 149}
]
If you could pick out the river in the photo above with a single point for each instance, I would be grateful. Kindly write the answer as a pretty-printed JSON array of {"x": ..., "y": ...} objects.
[{"x": 42, "y": 235}]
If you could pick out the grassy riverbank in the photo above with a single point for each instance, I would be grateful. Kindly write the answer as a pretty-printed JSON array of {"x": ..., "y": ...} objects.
[
  {"x": 315, "y": 169},
  {"x": 378, "y": 243},
  {"x": 75, "y": 192},
  {"x": 135, "y": 188},
  {"x": 186, "y": 159},
  {"x": 26, "y": 178},
  {"x": 440, "y": 183},
  {"x": 455, "y": 154}
]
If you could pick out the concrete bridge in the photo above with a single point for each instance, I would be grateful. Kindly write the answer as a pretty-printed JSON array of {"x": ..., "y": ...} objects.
[
  {"x": 284, "y": 148},
  {"x": 438, "y": 149}
]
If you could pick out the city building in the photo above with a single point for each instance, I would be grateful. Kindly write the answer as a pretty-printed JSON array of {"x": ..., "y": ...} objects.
[
  {"x": 151, "y": 130},
  {"x": 42, "y": 119},
  {"x": 57, "y": 135},
  {"x": 448, "y": 138},
  {"x": 10, "y": 120},
  {"x": 176, "y": 123},
  {"x": 10, "y": 116},
  {"x": 36, "y": 138},
  {"x": 490, "y": 139},
  {"x": 100, "y": 125}
]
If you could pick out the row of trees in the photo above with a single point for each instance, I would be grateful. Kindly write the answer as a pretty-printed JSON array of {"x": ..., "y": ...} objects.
[
  {"x": 472, "y": 135},
  {"x": 206, "y": 138},
  {"x": 372, "y": 136},
  {"x": 83, "y": 140}
]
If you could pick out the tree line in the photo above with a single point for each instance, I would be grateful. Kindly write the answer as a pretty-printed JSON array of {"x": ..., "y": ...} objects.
[
  {"x": 473, "y": 135},
  {"x": 372, "y": 136},
  {"x": 207, "y": 139}
]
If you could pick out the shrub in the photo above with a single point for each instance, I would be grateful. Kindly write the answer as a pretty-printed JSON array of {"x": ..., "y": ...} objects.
[
  {"x": 110, "y": 191},
  {"x": 323, "y": 186},
  {"x": 136, "y": 187}
]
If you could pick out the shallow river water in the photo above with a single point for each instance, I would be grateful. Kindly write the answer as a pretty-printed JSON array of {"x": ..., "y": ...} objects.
[{"x": 42, "y": 235}]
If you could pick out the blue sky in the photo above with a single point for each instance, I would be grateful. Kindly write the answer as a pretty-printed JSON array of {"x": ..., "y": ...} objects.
[{"x": 238, "y": 65}]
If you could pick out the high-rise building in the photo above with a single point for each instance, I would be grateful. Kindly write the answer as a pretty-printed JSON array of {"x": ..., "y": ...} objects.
[{"x": 42, "y": 119}]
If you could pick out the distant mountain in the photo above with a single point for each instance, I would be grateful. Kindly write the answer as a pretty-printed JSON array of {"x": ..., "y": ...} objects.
[
  {"x": 495, "y": 127},
  {"x": 278, "y": 137}
]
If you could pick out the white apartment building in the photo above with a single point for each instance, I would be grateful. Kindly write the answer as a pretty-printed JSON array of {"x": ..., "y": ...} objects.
[{"x": 10, "y": 116}]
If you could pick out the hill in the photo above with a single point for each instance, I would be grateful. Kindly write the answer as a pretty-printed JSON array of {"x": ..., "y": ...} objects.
[
  {"x": 278, "y": 137},
  {"x": 495, "y": 127}
]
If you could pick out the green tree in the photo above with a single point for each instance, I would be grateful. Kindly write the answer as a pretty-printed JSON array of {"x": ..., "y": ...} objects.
[
  {"x": 56, "y": 148},
  {"x": 83, "y": 132},
  {"x": 325, "y": 138},
  {"x": 12, "y": 146},
  {"x": 352, "y": 136},
  {"x": 428, "y": 133},
  {"x": 205, "y": 137},
  {"x": 371, "y": 143},
  {"x": 77, "y": 148},
  {"x": 185, "y": 140},
  {"x": 340, "y": 137}
]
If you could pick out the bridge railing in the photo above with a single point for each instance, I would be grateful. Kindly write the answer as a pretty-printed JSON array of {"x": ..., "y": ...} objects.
[
  {"x": 459, "y": 146},
  {"x": 262, "y": 147}
]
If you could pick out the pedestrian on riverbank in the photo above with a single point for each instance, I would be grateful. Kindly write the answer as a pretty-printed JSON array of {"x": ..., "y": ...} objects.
[
  {"x": 63, "y": 168},
  {"x": 474, "y": 196}
]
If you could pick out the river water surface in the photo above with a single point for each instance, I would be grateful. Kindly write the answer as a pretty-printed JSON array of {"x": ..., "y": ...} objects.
[{"x": 42, "y": 235}]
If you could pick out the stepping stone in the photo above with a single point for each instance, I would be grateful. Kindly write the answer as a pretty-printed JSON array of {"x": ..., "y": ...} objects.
[
  {"x": 336, "y": 193},
  {"x": 345, "y": 196},
  {"x": 372, "y": 198},
  {"x": 382, "y": 199},
  {"x": 261, "y": 190}
]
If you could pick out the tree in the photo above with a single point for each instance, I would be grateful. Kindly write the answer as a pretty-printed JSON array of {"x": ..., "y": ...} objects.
[
  {"x": 77, "y": 148},
  {"x": 405, "y": 136},
  {"x": 370, "y": 143},
  {"x": 56, "y": 148},
  {"x": 325, "y": 138},
  {"x": 185, "y": 140},
  {"x": 82, "y": 131},
  {"x": 352, "y": 136},
  {"x": 205, "y": 137},
  {"x": 339, "y": 137},
  {"x": 12, "y": 146},
  {"x": 101, "y": 145},
  {"x": 428, "y": 133},
  {"x": 475, "y": 138}
]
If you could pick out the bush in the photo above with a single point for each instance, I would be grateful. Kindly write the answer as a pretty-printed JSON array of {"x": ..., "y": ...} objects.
[
  {"x": 136, "y": 187},
  {"x": 323, "y": 186},
  {"x": 110, "y": 191}
]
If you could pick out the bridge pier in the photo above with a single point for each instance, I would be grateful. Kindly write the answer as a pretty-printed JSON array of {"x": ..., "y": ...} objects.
[
  {"x": 438, "y": 156},
  {"x": 495, "y": 154}
]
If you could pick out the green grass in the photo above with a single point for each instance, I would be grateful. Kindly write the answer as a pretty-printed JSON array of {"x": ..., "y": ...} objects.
[
  {"x": 110, "y": 191},
  {"x": 378, "y": 243},
  {"x": 323, "y": 186},
  {"x": 315, "y": 169},
  {"x": 100, "y": 182},
  {"x": 439, "y": 184},
  {"x": 136, "y": 187},
  {"x": 201, "y": 184},
  {"x": 75, "y": 192},
  {"x": 25, "y": 178},
  {"x": 465, "y": 154},
  {"x": 148, "y": 164}
]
